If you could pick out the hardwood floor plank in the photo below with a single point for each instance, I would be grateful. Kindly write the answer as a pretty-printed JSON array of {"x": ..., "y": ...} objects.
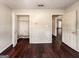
[{"x": 25, "y": 50}]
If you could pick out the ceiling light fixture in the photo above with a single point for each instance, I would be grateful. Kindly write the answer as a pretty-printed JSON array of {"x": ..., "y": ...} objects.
[{"x": 40, "y": 5}]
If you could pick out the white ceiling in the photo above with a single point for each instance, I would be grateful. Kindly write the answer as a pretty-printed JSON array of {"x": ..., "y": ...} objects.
[{"x": 56, "y": 4}]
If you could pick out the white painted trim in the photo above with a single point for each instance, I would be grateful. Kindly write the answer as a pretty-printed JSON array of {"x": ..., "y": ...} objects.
[
  {"x": 71, "y": 47},
  {"x": 40, "y": 42},
  {"x": 22, "y": 14},
  {"x": 77, "y": 50},
  {"x": 23, "y": 37},
  {"x": 5, "y": 47},
  {"x": 13, "y": 29},
  {"x": 14, "y": 40}
]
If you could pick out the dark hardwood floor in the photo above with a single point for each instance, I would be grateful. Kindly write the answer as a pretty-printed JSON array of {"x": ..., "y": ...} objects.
[{"x": 25, "y": 50}]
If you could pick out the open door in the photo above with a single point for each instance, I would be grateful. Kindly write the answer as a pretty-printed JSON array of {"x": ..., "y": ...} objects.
[{"x": 69, "y": 29}]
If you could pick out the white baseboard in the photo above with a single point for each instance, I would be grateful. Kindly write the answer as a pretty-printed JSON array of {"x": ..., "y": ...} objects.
[
  {"x": 23, "y": 37},
  {"x": 5, "y": 47},
  {"x": 77, "y": 50},
  {"x": 40, "y": 42}
]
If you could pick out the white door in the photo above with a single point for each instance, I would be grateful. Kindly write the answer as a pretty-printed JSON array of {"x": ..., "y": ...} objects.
[{"x": 69, "y": 29}]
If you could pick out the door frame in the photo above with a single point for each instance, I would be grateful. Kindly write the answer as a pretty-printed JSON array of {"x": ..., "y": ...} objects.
[
  {"x": 14, "y": 32},
  {"x": 19, "y": 22}
]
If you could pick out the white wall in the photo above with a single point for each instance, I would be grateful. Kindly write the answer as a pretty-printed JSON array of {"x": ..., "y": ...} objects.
[
  {"x": 5, "y": 27},
  {"x": 75, "y": 7},
  {"x": 40, "y": 23}
]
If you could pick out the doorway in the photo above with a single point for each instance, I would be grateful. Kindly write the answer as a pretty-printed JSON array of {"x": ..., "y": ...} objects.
[
  {"x": 57, "y": 30},
  {"x": 23, "y": 26},
  {"x": 56, "y": 25}
]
